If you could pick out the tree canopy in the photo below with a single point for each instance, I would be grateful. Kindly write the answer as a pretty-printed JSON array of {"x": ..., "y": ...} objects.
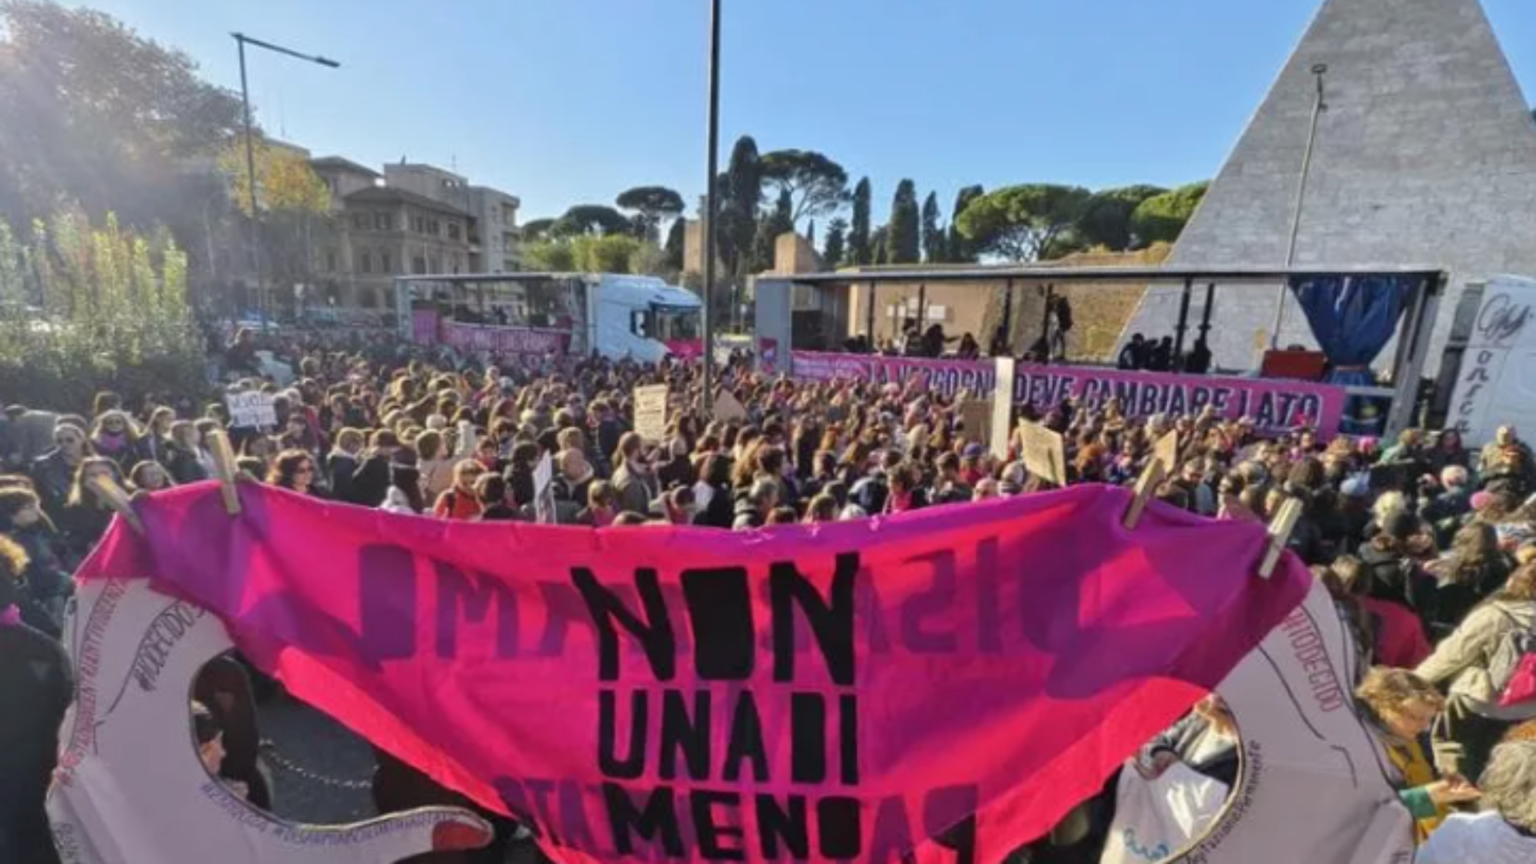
[
  {"x": 860, "y": 239},
  {"x": 591, "y": 219},
  {"x": 741, "y": 193},
  {"x": 962, "y": 250},
  {"x": 97, "y": 115},
  {"x": 1020, "y": 223},
  {"x": 651, "y": 205},
  {"x": 903, "y": 239},
  {"x": 935, "y": 244},
  {"x": 1161, "y": 218},
  {"x": 817, "y": 186},
  {"x": 1106, "y": 218},
  {"x": 832, "y": 250}
]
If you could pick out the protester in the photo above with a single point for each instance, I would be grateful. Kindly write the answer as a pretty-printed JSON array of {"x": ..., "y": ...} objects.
[
  {"x": 293, "y": 470},
  {"x": 460, "y": 500},
  {"x": 1400, "y": 707},
  {"x": 1506, "y": 831},
  {"x": 37, "y": 683},
  {"x": 85, "y": 515}
]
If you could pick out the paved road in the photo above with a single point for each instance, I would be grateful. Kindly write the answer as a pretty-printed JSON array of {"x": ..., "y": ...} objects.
[{"x": 323, "y": 748}]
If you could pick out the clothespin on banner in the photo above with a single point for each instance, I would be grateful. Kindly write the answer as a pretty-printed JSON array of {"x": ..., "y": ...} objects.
[
  {"x": 1146, "y": 485},
  {"x": 224, "y": 464},
  {"x": 113, "y": 496},
  {"x": 1280, "y": 529}
]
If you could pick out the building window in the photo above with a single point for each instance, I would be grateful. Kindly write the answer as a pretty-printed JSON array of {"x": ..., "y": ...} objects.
[
  {"x": 360, "y": 221},
  {"x": 418, "y": 224},
  {"x": 384, "y": 221},
  {"x": 435, "y": 263},
  {"x": 433, "y": 228},
  {"x": 453, "y": 230},
  {"x": 385, "y": 264},
  {"x": 330, "y": 260},
  {"x": 419, "y": 265},
  {"x": 458, "y": 263},
  {"x": 365, "y": 261}
]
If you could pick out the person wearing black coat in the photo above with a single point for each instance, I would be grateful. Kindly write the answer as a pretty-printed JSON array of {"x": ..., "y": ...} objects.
[
  {"x": 719, "y": 512},
  {"x": 38, "y": 682},
  {"x": 371, "y": 480}
]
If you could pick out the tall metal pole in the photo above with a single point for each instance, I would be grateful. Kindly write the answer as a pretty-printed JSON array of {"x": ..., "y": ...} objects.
[
  {"x": 250, "y": 176},
  {"x": 710, "y": 207},
  {"x": 1318, "y": 106}
]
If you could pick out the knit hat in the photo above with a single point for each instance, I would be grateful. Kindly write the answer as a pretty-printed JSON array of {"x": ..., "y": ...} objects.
[{"x": 1481, "y": 499}]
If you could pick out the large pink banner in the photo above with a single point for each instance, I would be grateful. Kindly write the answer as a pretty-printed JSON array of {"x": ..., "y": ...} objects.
[
  {"x": 1275, "y": 405},
  {"x": 505, "y": 340},
  {"x": 943, "y": 685}
]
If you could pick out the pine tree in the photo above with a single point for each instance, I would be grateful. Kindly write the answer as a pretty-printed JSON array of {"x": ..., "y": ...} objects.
[
  {"x": 903, "y": 240},
  {"x": 810, "y": 234},
  {"x": 961, "y": 250},
  {"x": 935, "y": 244},
  {"x": 859, "y": 249},
  {"x": 832, "y": 252},
  {"x": 877, "y": 243}
]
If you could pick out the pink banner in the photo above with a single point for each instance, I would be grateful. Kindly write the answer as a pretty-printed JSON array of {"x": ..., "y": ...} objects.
[
  {"x": 1275, "y": 405},
  {"x": 685, "y": 349},
  {"x": 943, "y": 685},
  {"x": 424, "y": 326},
  {"x": 504, "y": 340}
]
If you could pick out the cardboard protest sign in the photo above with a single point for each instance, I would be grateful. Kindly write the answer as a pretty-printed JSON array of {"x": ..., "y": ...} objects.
[
  {"x": 976, "y": 417},
  {"x": 1044, "y": 452},
  {"x": 709, "y": 695},
  {"x": 651, "y": 412},
  {"x": 1166, "y": 451},
  {"x": 728, "y": 408},
  {"x": 130, "y": 786},
  {"x": 250, "y": 410}
]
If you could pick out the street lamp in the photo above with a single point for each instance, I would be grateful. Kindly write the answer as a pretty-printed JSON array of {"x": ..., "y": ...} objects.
[
  {"x": 709, "y": 202},
  {"x": 1318, "y": 107},
  {"x": 250, "y": 149}
]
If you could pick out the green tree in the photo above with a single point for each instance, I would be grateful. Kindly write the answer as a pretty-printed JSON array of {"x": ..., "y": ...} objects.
[
  {"x": 860, "y": 250},
  {"x": 741, "y": 195},
  {"x": 553, "y": 256},
  {"x": 1161, "y": 218},
  {"x": 675, "y": 245},
  {"x": 879, "y": 243},
  {"x": 97, "y": 115},
  {"x": 651, "y": 205},
  {"x": 536, "y": 230},
  {"x": 609, "y": 253},
  {"x": 935, "y": 244},
  {"x": 961, "y": 250},
  {"x": 1021, "y": 223},
  {"x": 778, "y": 221},
  {"x": 817, "y": 185},
  {"x": 833, "y": 248},
  {"x": 903, "y": 238},
  {"x": 595, "y": 219},
  {"x": 810, "y": 234},
  {"x": 1106, "y": 218}
]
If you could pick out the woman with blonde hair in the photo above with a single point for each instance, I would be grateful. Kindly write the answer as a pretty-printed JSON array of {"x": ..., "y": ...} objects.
[{"x": 1400, "y": 707}]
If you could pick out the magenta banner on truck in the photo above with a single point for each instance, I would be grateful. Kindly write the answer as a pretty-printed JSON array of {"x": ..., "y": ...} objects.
[{"x": 1274, "y": 405}]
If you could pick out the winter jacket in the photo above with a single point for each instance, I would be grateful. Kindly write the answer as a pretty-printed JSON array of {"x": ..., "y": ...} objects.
[
  {"x": 635, "y": 491},
  {"x": 746, "y": 516},
  {"x": 371, "y": 481},
  {"x": 1465, "y": 656},
  {"x": 340, "y": 467},
  {"x": 1198, "y": 746},
  {"x": 52, "y": 476},
  {"x": 184, "y": 466},
  {"x": 36, "y": 678}
]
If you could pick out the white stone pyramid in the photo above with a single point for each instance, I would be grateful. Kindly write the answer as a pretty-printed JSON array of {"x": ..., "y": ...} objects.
[{"x": 1426, "y": 155}]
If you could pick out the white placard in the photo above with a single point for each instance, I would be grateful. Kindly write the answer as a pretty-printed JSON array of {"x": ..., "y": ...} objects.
[
  {"x": 651, "y": 412},
  {"x": 251, "y": 410}
]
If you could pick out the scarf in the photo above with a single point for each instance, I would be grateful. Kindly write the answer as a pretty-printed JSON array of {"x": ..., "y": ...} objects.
[{"x": 10, "y": 616}]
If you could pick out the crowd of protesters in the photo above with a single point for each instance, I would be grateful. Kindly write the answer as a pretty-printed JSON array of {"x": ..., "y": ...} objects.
[{"x": 1428, "y": 548}]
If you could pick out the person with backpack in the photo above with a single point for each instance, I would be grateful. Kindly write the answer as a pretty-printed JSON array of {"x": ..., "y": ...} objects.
[{"x": 1480, "y": 658}]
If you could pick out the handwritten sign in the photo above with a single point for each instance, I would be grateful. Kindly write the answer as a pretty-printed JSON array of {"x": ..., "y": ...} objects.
[
  {"x": 651, "y": 412},
  {"x": 1044, "y": 453},
  {"x": 251, "y": 410}
]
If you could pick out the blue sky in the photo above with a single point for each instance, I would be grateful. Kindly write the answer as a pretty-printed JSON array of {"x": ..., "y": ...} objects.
[{"x": 572, "y": 101}]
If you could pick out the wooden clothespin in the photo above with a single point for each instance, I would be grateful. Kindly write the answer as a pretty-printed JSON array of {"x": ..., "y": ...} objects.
[
  {"x": 113, "y": 496},
  {"x": 224, "y": 464},
  {"x": 1146, "y": 485},
  {"x": 1280, "y": 529}
]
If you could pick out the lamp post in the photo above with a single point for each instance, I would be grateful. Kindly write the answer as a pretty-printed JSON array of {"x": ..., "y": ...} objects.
[
  {"x": 241, "y": 40},
  {"x": 713, "y": 161},
  {"x": 1318, "y": 107}
]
